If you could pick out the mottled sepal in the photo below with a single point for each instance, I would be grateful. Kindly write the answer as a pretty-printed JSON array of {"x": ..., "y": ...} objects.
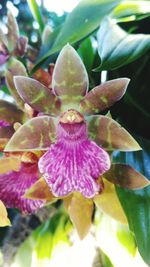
[
  {"x": 13, "y": 31},
  {"x": 5, "y": 134},
  {"x": 21, "y": 46},
  {"x": 40, "y": 190},
  {"x": 110, "y": 135},
  {"x": 4, "y": 221},
  {"x": 36, "y": 134},
  {"x": 38, "y": 96},
  {"x": 10, "y": 113},
  {"x": 80, "y": 211},
  {"x": 104, "y": 96},
  {"x": 126, "y": 177},
  {"x": 14, "y": 184},
  {"x": 70, "y": 80},
  {"x": 15, "y": 67},
  {"x": 109, "y": 203}
]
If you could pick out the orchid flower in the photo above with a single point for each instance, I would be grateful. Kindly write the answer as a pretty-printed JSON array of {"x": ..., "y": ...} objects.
[
  {"x": 11, "y": 118},
  {"x": 75, "y": 142}
]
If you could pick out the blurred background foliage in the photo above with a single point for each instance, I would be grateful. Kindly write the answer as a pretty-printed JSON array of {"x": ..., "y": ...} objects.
[{"x": 105, "y": 56}]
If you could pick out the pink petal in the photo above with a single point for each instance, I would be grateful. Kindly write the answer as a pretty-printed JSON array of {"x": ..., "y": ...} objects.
[
  {"x": 13, "y": 186},
  {"x": 3, "y": 58},
  {"x": 74, "y": 163}
]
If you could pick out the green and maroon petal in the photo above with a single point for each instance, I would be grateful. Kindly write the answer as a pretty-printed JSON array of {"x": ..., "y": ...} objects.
[
  {"x": 70, "y": 79},
  {"x": 110, "y": 135},
  {"x": 38, "y": 96},
  {"x": 6, "y": 133},
  {"x": 10, "y": 113},
  {"x": 36, "y": 134},
  {"x": 15, "y": 68},
  {"x": 13, "y": 31},
  {"x": 104, "y": 96},
  {"x": 126, "y": 177}
]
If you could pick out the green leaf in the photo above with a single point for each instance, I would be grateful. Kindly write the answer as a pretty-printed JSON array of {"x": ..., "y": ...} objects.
[
  {"x": 137, "y": 208},
  {"x": 54, "y": 232},
  {"x": 131, "y": 10},
  {"x": 136, "y": 204},
  {"x": 87, "y": 47},
  {"x": 38, "y": 248},
  {"x": 118, "y": 48},
  {"x": 103, "y": 96},
  {"x": 37, "y": 95},
  {"x": 126, "y": 238},
  {"x": 109, "y": 134},
  {"x": 36, "y": 134},
  {"x": 36, "y": 13},
  {"x": 82, "y": 21}
]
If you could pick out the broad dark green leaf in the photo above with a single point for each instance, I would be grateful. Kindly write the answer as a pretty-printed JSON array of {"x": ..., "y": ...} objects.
[
  {"x": 131, "y": 10},
  {"x": 83, "y": 20},
  {"x": 136, "y": 204},
  {"x": 117, "y": 47},
  {"x": 87, "y": 48}
]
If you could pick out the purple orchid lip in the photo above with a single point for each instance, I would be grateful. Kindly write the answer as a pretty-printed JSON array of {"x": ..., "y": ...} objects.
[
  {"x": 14, "y": 184},
  {"x": 74, "y": 163}
]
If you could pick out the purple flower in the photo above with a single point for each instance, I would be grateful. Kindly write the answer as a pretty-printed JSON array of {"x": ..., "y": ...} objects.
[
  {"x": 14, "y": 184},
  {"x": 74, "y": 163},
  {"x": 73, "y": 139},
  {"x": 4, "y": 54}
]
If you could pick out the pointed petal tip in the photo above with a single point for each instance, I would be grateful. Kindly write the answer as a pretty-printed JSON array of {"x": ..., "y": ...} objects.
[{"x": 19, "y": 78}]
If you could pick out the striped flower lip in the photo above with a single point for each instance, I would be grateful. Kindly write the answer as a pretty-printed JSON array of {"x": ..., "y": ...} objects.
[
  {"x": 69, "y": 128},
  {"x": 14, "y": 184},
  {"x": 74, "y": 163}
]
